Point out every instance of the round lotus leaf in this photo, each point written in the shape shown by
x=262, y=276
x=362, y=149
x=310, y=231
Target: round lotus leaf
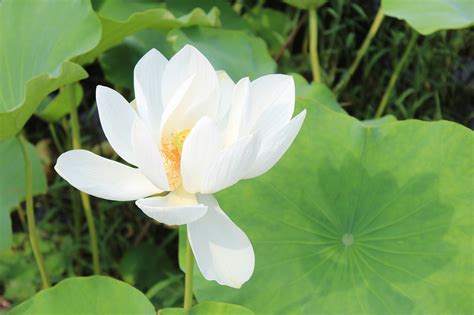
x=359, y=219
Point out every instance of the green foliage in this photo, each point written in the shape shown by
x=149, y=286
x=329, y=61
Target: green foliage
x=35, y=53
x=12, y=183
x=429, y=16
x=135, y=265
x=239, y=54
x=377, y=217
x=271, y=25
x=219, y=45
x=229, y=19
x=18, y=271
x=118, y=62
x=52, y=109
x=309, y=94
x=122, y=18
x=87, y=295
x=306, y=4
x=206, y=308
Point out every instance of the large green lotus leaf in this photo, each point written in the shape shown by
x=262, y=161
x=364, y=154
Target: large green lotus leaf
x=359, y=220
x=12, y=183
x=121, y=18
x=209, y=308
x=87, y=295
x=239, y=54
x=51, y=109
x=428, y=16
x=36, y=40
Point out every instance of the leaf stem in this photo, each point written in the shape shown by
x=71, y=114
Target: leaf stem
x=361, y=52
x=86, y=203
x=188, y=280
x=313, y=45
x=396, y=73
x=55, y=137
x=30, y=213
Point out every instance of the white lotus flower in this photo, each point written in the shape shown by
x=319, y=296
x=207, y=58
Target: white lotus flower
x=191, y=132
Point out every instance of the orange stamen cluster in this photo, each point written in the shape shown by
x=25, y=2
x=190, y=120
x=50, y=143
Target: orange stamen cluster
x=171, y=147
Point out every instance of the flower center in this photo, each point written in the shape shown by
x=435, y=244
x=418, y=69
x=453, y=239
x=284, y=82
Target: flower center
x=347, y=239
x=171, y=147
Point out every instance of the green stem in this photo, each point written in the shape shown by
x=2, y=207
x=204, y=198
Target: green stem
x=313, y=45
x=56, y=141
x=361, y=52
x=86, y=204
x=30, y=214
x=22, y=216
x=396, y=73
x=188, y=280
x=77, y=214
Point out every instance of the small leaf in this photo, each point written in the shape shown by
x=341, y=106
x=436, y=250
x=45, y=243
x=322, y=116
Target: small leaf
x=87, y=295
x=429, y=16
x=306, y=4
x=52, y=109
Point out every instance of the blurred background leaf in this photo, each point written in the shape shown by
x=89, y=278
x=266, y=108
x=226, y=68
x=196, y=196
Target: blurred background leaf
x=35, y=53
x=12, y=183
x=428, y=16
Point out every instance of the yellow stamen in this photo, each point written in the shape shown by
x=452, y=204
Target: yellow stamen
x=171, y=147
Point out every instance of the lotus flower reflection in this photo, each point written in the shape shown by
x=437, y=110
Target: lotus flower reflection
x=191, y=131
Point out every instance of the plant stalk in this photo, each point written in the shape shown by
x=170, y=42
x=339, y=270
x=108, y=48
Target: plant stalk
x=30, y=213
x=188, y=280
x=313, y=45
x=55, y=137
x=86, y=203
x=396, y=73
x=361, y=52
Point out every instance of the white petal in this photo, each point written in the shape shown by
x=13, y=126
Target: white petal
x=202, y=97
x=272, y=102
x=173, y=109
x=199, y=149
x=176, y=208
x=231, y=164
x=274, y=146
x=223, y=252
x=149, y=158
x=239, y=112
x=103, y=178
x=147, y=83
x=226, y=86
x=116, y=117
